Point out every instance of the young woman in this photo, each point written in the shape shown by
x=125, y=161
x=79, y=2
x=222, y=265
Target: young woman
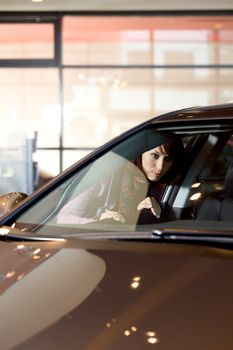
x=137, y=193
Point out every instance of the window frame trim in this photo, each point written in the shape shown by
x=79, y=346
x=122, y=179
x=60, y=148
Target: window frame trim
x=35, y=62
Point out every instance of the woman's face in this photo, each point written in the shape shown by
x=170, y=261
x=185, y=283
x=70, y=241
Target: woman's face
x=156, y=163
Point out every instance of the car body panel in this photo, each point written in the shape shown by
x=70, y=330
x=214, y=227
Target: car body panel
x=85, y=296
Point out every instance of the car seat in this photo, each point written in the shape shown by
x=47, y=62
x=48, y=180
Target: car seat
x=219, y=207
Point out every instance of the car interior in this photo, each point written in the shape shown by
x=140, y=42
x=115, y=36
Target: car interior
x=205, y=175
x=219, y=206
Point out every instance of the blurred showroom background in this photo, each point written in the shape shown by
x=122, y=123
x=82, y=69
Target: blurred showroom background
x=70, y=81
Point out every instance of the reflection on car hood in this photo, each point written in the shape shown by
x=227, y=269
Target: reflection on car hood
x=114, y=295
x=38, y=293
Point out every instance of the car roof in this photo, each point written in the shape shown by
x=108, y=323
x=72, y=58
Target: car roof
x=207, y=113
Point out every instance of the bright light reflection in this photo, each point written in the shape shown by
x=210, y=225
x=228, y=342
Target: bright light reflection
x=27, y=251
x=134, y=329
x=150, y=334
x=20, y=246
x=135, y=285
x=152, y=340
x=127, y=333
x=4, y=231
x=195, y=196
x=137, y=279
x=20, y=277
x=10, y=274
x=109, y=324
x=36, y=257
x=196, y=185
x=37, y=251
x=81, y=76
x=136, y=282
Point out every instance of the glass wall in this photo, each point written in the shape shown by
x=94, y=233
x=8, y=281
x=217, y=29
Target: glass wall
x=26, y=40
x=77, y=81
x=30, y=110
x=148, y=40
x=119, y=71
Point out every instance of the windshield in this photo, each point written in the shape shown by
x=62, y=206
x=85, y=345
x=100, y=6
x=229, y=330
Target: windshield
x=148, y=179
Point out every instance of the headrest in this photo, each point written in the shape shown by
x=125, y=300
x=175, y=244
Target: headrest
x=229, y=181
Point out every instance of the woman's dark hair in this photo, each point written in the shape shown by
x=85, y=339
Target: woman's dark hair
x=175, y=149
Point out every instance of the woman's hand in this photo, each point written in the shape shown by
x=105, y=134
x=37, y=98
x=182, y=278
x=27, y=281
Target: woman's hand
x=152, y=204
x=110, y=214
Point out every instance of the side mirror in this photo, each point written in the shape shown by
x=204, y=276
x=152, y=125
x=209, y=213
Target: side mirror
x=10, y=200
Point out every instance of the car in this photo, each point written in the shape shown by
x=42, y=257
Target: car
x=104, y=281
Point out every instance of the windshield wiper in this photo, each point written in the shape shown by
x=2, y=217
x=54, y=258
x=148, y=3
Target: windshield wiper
x=215, y=238
x=7, y=234
x=212, y=238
